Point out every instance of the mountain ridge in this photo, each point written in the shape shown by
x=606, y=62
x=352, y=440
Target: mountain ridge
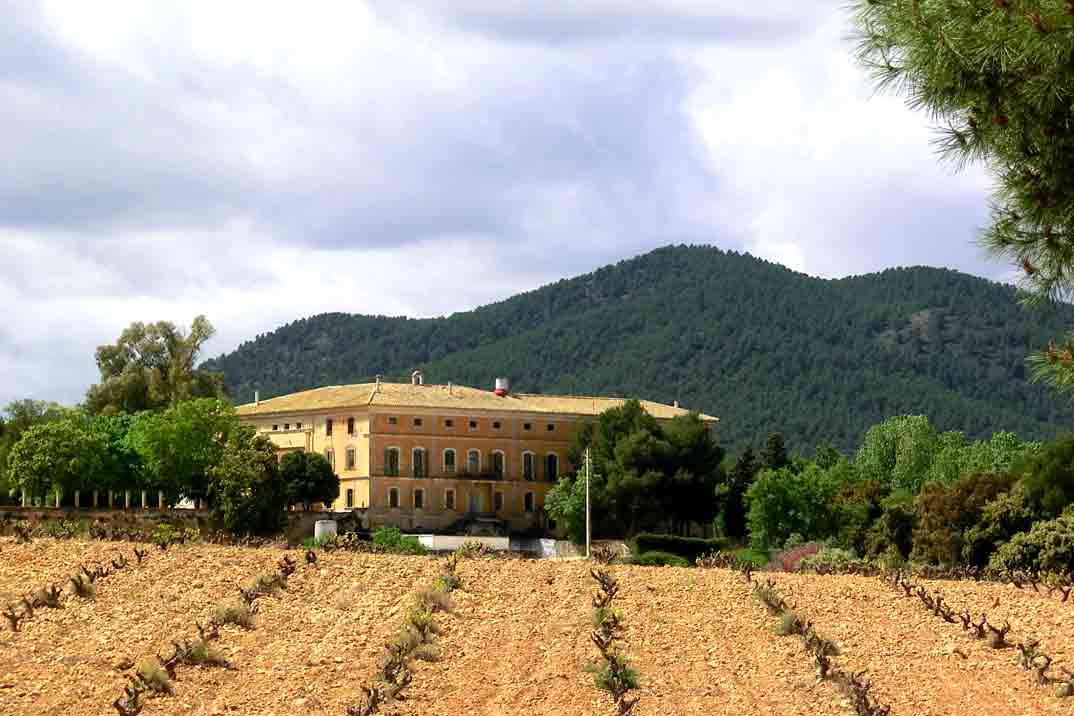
x=763, y=347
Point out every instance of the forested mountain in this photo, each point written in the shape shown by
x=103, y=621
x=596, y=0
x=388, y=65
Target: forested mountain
x=762, y=347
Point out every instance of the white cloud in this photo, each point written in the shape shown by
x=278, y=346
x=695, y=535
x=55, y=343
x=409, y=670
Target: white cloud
x=260, y=163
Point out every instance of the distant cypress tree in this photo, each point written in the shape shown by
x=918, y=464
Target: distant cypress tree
x=775, y=453
x=732, y=493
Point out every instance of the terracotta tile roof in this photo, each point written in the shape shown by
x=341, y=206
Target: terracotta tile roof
x=455, y=397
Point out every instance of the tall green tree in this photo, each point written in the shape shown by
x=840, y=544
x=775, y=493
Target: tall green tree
x=246, y=490
x=153, y=365
x=18, y=417
x=775, y=455
x=57, y=457
x=178, y=446
x=646, y=475
x=309, y=479
x=731, y=495
x=997, y=75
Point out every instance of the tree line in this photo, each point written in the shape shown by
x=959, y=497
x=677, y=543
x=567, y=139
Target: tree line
x=909, y=491
x=156, y=423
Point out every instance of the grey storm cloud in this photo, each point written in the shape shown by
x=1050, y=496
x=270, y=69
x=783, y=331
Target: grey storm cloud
x=281, y=165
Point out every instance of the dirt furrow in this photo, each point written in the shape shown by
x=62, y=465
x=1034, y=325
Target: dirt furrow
x=920, y=665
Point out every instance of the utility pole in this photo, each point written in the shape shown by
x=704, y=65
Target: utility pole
x=587, y=529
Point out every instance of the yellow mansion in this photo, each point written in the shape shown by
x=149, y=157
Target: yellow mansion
x=433, y=456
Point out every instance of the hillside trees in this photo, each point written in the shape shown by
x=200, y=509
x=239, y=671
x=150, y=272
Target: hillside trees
x=151, y=366
x=997, y=76
x=18, y=417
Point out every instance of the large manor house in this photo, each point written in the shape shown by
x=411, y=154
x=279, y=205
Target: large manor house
x=437, y=457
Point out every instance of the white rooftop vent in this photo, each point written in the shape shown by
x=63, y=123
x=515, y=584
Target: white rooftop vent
x=416, y=378
x=503, y=386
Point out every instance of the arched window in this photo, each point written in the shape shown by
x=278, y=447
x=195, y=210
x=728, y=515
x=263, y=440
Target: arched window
x=527, y=502
x=473, y=462
x=391, y=461
x=449, y=461
x=417, y=462
x=393, y=497
x=551, y=467
x=498, y=466
x=419, y=499
x=529, y=465
x=352, y=458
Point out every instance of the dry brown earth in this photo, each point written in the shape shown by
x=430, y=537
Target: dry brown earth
x=517, y=643
x=912, y=657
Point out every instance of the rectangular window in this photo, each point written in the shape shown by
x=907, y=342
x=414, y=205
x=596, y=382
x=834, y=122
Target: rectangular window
x=392, y=420
x=351, y=458
x=350, y=498
x=419, y=499
x=449, y=461
x=449, y=499
x=528, y=466
x=275, y=427
x=418, y=458
x=393, y=497
x=496, y=425
x=330, y=456
x=449, y=423
x=551, y=427
x=287, y=426
x=298, y=426
x=391, y=461
x=473, y=425
x=527, y=426
x=418, y=422
x=528, y=502
x=497, y=502
x=328, y=426
x=350, y=426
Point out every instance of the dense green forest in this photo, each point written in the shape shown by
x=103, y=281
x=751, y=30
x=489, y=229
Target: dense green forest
x=762, y=347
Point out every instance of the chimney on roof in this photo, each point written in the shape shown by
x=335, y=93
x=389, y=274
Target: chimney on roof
x=416, y=378
x=257, y=397
x=503, y=386
x=676, y=403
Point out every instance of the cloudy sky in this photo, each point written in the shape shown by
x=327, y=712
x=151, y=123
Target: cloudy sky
x=260, y=162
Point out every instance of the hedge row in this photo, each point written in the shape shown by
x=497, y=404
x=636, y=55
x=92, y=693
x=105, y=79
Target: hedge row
x=689, y=548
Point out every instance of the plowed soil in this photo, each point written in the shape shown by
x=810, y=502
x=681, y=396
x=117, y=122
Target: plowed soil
x=918, y=663
x=517, y=643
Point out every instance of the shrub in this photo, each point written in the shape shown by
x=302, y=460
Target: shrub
x=201, y=653
x=892, y=534
x=153, y=675
x=689, y=548
x=1048, y=546
x=83, y=587
x=234, y=612
x=165, y=534
x=790, y=624
x=830, y=560
x=659, y=559
x=391, y=539
x=946, y=513
x=789, y=560
x=63, y=529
